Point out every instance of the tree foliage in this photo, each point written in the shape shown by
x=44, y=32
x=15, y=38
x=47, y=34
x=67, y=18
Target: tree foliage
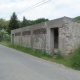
x=13, y=24
x=3, y=24
x=77, y=18
x=24, y=22
x=40, y=20
x=4, y=36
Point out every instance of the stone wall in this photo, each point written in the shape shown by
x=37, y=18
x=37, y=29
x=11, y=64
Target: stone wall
x=69, y=35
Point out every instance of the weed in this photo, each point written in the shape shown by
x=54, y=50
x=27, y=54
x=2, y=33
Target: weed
x=58, y=56
x=75, y=58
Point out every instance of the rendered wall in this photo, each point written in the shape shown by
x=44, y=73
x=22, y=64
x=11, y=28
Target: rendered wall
x=32, y=36
x=17, y=36
x=26, y=36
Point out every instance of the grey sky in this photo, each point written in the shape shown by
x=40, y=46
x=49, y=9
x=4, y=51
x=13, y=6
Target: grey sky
x=51, y=10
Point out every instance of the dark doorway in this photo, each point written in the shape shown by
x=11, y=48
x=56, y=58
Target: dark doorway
x=56, y=38
x=12, y=38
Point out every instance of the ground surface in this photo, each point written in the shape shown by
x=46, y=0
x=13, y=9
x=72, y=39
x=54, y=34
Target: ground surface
x=15, y=65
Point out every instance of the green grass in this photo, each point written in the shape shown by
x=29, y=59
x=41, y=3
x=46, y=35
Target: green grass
x=73, y=61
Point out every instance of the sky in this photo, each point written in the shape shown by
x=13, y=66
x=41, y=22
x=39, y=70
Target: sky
x=51, y=10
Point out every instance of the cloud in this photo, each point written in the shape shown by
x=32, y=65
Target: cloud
x=51, y=10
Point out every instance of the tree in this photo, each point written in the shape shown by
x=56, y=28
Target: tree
x=40, y=20
x=77, y=18
x=24, y=22
x=20, y=23
x=13, y=24
x=3, y=24
x=4, y=36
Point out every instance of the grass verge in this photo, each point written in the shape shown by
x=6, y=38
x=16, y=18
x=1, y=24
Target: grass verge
x=73, y=61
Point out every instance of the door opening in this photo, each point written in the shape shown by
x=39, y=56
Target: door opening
x=56, y=38
x=12, y=38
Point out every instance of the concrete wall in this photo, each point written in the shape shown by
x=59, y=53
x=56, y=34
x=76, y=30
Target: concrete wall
x=26, y=36
x=32, y=36
x=41, y=36
x=17, y=36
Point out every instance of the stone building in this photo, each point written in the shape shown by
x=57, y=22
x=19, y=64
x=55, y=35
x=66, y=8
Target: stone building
x=60, y=34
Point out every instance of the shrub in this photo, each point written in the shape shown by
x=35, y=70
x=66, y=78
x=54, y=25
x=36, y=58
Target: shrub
x=75, y=58
x=58, y=56
x=4, y=36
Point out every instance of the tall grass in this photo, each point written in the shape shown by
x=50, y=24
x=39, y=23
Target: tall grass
x=75, y=59
x=27, y=50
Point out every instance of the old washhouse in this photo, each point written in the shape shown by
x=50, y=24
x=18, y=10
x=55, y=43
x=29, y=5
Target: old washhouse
x=60, y=34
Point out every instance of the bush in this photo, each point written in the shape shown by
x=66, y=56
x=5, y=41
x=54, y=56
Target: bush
x=58, y=56
x=4, y=36
x=75, y=58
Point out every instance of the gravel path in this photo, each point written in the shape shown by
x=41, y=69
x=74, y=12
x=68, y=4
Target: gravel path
x=15, y=65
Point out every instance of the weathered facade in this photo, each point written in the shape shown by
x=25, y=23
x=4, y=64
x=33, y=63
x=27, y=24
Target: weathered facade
x=62, y=34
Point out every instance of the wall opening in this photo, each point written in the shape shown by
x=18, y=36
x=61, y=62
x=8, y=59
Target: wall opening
x=12, y=38
x=56, y=38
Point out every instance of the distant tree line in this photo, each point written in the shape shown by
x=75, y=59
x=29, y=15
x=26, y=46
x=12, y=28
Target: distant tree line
x=77, y=18
x=26, y=22
x=3, y=24
x=14, y=23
